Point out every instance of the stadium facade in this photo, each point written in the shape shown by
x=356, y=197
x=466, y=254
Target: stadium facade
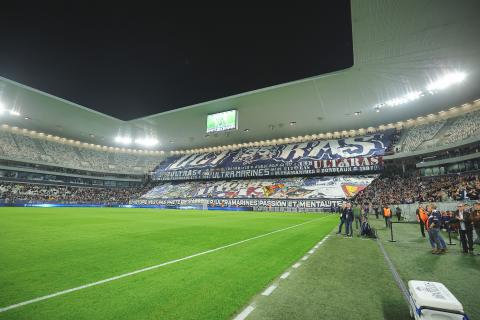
x=409, y=104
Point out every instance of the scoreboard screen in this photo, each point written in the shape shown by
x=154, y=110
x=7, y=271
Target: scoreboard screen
x=222, y=121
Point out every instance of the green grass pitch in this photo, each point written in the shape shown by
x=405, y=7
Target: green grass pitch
x=43, y=251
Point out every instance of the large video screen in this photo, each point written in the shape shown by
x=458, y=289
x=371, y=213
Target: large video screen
x=222, y=121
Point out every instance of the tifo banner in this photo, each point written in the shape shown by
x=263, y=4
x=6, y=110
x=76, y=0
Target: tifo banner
x=242, y=203
x=321, y=187
x=349, y=155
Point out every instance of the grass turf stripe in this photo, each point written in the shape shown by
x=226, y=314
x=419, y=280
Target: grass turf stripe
x=92, y=284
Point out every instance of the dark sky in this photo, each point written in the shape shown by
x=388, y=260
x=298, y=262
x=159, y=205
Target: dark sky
x=133, y=62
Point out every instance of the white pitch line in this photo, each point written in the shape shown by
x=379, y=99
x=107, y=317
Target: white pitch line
x=92, y=284
x=305, y=258
x=311, y=251
x=296, y=265
x=242, y=315
x=269, y=290
x=285, y=275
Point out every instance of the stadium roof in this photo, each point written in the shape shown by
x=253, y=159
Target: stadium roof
x=399, y=47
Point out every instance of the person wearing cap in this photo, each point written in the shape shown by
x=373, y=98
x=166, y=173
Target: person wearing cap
x=434, y=222
x=465, y=220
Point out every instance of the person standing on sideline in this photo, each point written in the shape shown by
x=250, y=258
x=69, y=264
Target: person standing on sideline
x=476, y=220
x=398, y=213
x=342, y=219
x=377, y=210
x=356, y=214
x=421, y=218
x=435, y=221
x=348, y=220
x=464, y=217
x=428, y=213
x=387, y=214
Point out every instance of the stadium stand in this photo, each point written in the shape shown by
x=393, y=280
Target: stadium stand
x=418, y=134
x=281, y=188
x=463, y=128
x=440, y=133
x=31, y=192
x=24, y=148
x=400, y=190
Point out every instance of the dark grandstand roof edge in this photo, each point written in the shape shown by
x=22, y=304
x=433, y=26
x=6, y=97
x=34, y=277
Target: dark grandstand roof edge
x=23, y=86
x=330, y=74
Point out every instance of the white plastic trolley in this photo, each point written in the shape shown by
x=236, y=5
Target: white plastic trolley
x=432, y=300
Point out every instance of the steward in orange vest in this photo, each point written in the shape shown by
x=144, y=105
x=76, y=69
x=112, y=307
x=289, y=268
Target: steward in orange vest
x=387, y=214
x=422, y=218
x=422, y=215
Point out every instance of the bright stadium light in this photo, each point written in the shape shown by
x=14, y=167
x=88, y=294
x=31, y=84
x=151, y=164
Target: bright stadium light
x=2, y=108
x=14, y=113
x=123, y=140
x=146, y=142
x=404, y=99
x=446, y=81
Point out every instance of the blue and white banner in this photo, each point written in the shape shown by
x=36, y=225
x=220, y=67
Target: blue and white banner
x=348, y=155
x=254, y=204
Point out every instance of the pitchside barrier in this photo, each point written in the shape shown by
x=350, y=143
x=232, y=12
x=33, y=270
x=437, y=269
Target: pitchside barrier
x=307, y=206
x=179, y=206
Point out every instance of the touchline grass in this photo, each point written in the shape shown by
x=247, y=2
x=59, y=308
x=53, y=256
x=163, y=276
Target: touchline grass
x=44, y=251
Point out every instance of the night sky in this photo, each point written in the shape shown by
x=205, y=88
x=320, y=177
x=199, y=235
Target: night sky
x=134, y=62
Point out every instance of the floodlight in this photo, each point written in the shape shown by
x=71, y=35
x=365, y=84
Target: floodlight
x=404, y=99
x=446, y=81
x=146, y=142
x=123, y=140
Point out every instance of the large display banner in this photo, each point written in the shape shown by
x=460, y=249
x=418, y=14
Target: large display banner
x=291, y=188
x=325, y=204
x=349, y=155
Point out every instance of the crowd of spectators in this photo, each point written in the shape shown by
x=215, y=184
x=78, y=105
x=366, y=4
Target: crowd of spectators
x=392, y=147
x=400, y=190
x=26, y=148
x=11, y=192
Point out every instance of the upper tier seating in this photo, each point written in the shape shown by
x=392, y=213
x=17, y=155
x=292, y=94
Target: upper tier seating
x=463, y=128
x=441, y=133
x=26, y=148
x=416, y=135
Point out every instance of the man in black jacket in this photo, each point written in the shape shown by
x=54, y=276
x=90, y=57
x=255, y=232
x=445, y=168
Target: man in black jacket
x=342, y=219
x=464, y=217
x=348, y=214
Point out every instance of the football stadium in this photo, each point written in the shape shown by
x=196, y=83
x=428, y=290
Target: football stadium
x=344, y=194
